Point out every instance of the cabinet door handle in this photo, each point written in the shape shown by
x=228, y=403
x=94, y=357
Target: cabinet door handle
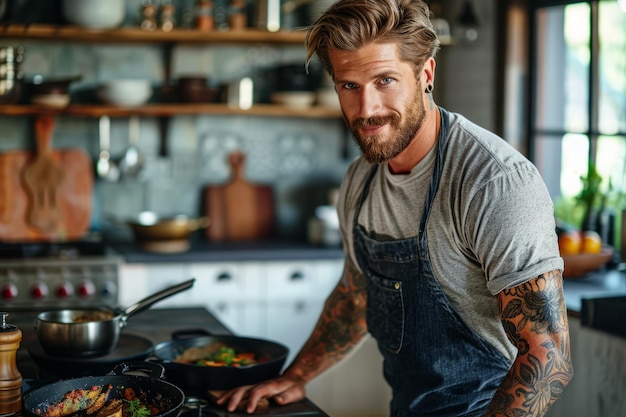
x=296, y=276
x=224, y=276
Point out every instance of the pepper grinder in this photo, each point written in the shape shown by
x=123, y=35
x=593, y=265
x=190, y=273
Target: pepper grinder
x=10, y=377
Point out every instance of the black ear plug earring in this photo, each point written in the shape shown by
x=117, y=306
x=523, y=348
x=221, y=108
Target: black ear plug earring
x=429, y=88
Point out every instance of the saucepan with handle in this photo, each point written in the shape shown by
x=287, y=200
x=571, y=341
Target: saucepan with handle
x=92, y=332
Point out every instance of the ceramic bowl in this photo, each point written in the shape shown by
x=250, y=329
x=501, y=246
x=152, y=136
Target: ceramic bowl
x=294, y=98
x=125, y=93
x=51, y=100
x=95, y=14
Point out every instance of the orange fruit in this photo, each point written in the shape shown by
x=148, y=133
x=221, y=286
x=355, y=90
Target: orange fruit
x=592, y=242
x=570, y=243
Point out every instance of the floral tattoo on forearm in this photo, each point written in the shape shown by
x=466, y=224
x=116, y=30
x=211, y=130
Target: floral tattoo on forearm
x=535, y=320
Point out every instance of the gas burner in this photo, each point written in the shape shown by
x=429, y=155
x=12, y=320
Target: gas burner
x=194, y=403
x=196, y=407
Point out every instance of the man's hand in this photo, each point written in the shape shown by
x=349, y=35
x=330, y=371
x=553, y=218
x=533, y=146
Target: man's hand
x=282, y=390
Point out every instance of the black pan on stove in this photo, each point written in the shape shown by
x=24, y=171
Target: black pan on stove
x=151, y=389
x=198, y=379
x=131, y=347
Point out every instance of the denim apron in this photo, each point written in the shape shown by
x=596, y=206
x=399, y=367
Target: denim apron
x=434, y=363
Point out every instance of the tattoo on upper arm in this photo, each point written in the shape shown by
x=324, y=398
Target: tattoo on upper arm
x=538, y=304
x=535, y=313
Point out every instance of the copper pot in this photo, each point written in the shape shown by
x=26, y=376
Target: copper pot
x=165, y=234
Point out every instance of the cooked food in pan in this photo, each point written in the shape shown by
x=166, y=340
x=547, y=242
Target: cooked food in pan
x=217, y=354
x=95, y=402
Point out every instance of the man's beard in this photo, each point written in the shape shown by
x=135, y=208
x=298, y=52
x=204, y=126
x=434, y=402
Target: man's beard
x=376, y=148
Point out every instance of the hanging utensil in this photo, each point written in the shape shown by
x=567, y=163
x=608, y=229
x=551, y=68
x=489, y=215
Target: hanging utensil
x=106, y=168
x=131, y=163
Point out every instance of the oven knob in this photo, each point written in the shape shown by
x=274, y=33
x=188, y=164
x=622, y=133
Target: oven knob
x=64, y=290
x=39, y=291
x=9, y=291
x=86, y=289
x=109, y=290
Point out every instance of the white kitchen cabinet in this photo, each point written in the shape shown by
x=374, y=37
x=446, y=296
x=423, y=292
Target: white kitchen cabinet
x=234, y=293
x=138, y=281
x=291, y=322
x=296, y=292
x=161, y=276
x=228, y=281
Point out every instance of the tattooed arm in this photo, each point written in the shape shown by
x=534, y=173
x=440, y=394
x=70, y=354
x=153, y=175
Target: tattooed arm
x=339, y=328
x=534, y=317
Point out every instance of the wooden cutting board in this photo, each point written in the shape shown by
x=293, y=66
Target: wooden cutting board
x=239, y=210
x=25, y=213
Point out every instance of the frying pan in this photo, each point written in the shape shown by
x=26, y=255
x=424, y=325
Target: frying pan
x=198, y=379
x=152, y=390
x=91, y=332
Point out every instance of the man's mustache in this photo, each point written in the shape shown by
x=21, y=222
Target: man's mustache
x=375, y=121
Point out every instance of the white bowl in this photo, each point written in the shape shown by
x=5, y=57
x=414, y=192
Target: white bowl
x=125, y=93
x=95, y=14
x=51, y=101
x=294, y=98
x=327, y=97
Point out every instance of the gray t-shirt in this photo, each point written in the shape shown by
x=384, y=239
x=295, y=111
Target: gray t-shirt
x=491, y=226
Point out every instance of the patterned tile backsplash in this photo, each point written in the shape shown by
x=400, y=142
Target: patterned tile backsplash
x=301, y=158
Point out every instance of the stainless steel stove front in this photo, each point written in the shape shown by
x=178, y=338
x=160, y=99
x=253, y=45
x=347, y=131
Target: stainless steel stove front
x=37, y=284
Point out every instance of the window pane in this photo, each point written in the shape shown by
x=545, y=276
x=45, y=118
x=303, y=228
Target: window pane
x=572, y=153
x=612, y=83
x=575, y=162
x=562, y=68
x=562, y=160
x=611, y=159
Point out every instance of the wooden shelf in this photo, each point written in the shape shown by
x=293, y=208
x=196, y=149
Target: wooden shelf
x=54, y=33
x=172, y=109
x=133, y=35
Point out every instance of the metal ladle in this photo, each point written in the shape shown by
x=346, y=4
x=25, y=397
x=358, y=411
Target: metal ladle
x=105, y=167
x=132, y=162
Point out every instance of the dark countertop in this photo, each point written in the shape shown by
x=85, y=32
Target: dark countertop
x=202, y=251
x=599, y=284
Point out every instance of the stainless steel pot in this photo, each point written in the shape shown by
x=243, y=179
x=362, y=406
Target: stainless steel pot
x=91, y=332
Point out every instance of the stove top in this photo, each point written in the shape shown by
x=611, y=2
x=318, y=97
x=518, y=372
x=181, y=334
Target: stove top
x=91, y=246
x=152, y=327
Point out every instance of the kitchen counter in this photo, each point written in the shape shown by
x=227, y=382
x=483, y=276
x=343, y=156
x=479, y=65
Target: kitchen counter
x=203, y=251
x=599, y=284
x=155, y=325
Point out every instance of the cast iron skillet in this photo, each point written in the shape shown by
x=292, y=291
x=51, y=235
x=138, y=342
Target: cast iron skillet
x=197, y=379
x=156, y=391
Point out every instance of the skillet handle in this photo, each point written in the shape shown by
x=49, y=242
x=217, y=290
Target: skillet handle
x=189, y=333
x=148, y=369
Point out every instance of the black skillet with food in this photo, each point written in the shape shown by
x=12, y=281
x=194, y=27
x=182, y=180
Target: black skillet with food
x=118, y=394
x=197, y=361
